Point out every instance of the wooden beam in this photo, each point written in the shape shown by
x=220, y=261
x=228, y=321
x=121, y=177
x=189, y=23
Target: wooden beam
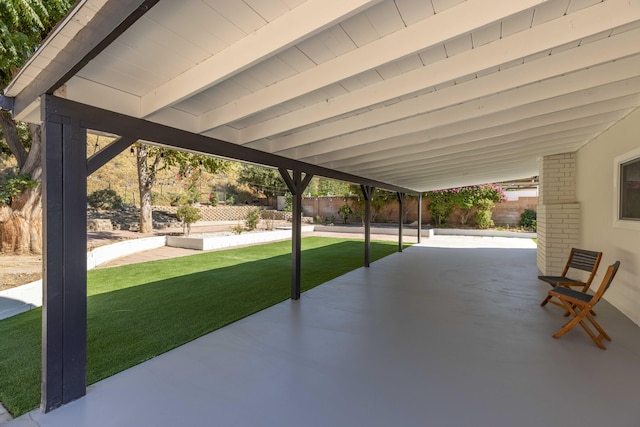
x=157, y=134
x=101, y=158
x=399, y=44
x=302, y=22
x=354, y=132
x=575, y=60
x=560, y=114
x=486, y=142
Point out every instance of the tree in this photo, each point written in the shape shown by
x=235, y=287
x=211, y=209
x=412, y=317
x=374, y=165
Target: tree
x=264, y=181
x=441, y=204
x=151, y=159
x=188, y=215
x=327, y=187
x=23, y=25
x=378, y=201
x=466, y=198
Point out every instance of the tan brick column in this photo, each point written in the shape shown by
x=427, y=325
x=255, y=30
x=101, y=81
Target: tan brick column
x=558, y=212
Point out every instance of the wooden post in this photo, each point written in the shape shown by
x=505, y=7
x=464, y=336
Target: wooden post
x=400, y=205
x=296, y=185
x=367, y=191
x=64, y=278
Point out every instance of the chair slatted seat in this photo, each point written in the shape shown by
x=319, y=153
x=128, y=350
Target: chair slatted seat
x=580, y=305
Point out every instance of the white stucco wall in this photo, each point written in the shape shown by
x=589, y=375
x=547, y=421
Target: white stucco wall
x=596, y=195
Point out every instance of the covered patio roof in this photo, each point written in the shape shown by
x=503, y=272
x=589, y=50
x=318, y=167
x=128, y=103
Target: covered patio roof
x=417, y=94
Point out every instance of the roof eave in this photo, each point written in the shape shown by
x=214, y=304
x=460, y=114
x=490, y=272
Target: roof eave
x=103, y=22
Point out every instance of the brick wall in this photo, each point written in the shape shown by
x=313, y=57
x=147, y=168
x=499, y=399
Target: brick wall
x=558, y=212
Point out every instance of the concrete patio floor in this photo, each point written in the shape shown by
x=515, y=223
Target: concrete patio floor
x=447, y=333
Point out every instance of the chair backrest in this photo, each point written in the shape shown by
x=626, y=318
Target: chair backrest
x=606, y=282
x=582, y=259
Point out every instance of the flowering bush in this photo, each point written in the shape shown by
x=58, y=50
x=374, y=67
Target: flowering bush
x=466, y=198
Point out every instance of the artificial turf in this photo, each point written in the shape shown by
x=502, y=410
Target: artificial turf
x=136, y=312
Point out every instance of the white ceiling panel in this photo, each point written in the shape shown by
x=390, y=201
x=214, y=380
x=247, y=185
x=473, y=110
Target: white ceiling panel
x=442, y=5
x=239, y=13
x=412, y=11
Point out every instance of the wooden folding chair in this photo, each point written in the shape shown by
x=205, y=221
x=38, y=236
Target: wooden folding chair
x=579, y=305
x=579, y=259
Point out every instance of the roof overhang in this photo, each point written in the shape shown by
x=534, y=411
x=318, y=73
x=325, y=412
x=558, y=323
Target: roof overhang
x=416, y=94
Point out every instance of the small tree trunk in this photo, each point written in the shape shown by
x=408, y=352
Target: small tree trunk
x=146, y=180
x=146, y=212
x=464, y=216
x=21, y=223
x=146, y=218
x=10, y=133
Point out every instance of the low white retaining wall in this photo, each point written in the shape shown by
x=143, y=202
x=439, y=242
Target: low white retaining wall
x=406, y=231
x=426, y=232
x=23, y=298
x=110, y=252
x=484, y=233
x=205, y=242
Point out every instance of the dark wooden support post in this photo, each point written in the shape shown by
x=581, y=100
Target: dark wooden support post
x=296, y=185
x=419, y=216
x=400, y=206
x=64, y=310
x=367, y=191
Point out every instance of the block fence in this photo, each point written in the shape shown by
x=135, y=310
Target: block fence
x=505, y=213
x=229, y=213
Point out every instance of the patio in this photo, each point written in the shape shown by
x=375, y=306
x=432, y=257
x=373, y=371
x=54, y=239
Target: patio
x=448, y=333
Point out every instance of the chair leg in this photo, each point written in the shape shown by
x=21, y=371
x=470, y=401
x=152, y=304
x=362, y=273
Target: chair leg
x=546, y=300
x=596, y=325
x=578, y=318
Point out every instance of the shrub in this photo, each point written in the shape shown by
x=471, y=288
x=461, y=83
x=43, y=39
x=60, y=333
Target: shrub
x=106, y=199
x=288, y=203
x=252, y=218
x=193, y=195
x=345, y=211
x=238, y=229
x=177, y=199
x=188, y=215
x=483, y=215
x=528, y=219
x=441, y=205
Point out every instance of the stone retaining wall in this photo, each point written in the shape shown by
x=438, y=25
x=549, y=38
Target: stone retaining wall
x=215, y=213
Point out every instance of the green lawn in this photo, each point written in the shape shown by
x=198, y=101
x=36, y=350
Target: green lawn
x=136, y=312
